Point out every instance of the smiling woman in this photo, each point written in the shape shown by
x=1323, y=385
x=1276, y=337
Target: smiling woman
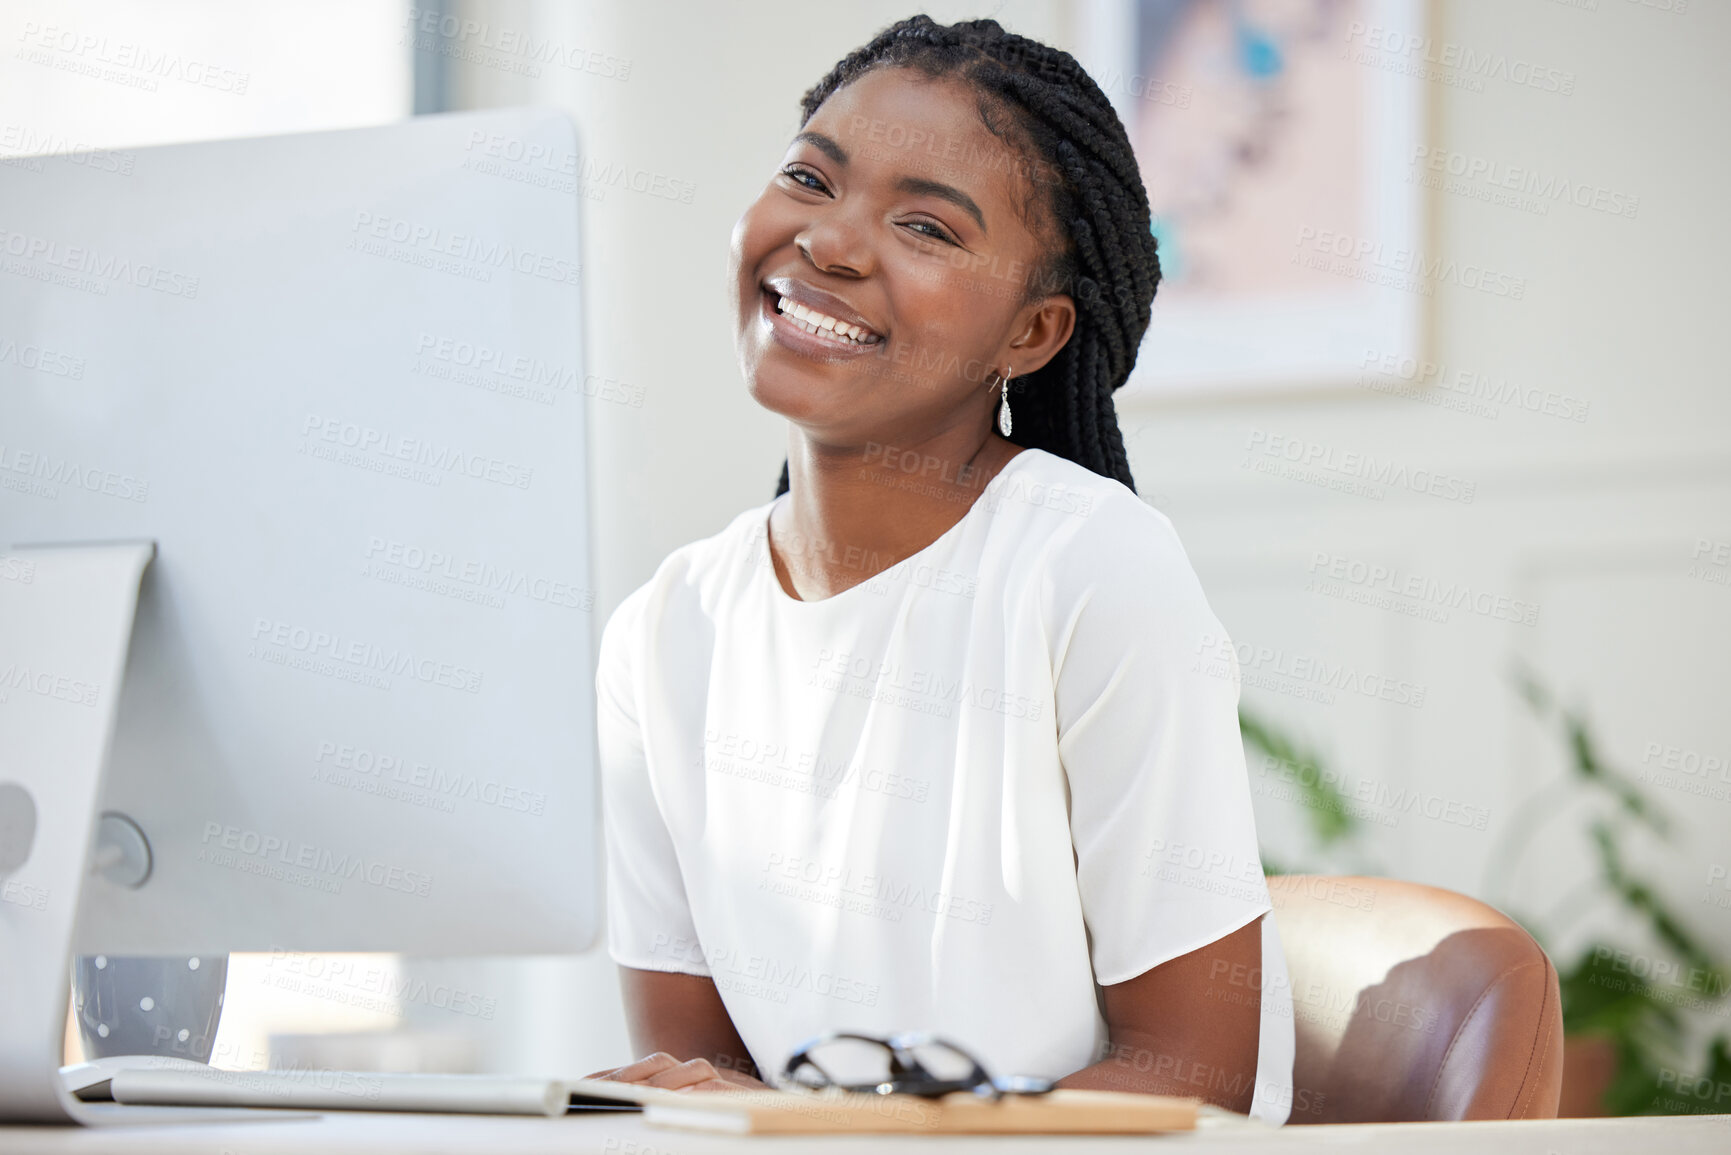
x=927, y=742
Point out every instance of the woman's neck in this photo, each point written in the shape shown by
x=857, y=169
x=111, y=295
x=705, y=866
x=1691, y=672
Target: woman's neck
x=851, y=513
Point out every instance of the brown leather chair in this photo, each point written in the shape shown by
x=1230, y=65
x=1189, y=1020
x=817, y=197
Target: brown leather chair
x=1413, y=1003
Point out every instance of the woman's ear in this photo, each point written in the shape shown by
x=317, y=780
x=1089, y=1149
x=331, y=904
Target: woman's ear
x=1042, y=329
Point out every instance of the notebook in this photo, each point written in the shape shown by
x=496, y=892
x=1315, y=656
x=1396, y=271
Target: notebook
x=1061, y=1112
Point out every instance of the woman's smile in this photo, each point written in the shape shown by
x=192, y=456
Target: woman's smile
x=812, y=323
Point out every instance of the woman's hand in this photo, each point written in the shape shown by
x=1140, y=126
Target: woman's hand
x=663, y=1070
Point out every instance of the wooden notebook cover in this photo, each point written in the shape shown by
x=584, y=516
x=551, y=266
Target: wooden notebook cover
x=1061, y=1112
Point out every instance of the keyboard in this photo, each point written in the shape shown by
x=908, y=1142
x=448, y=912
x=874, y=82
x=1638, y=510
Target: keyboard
x=156, y=1080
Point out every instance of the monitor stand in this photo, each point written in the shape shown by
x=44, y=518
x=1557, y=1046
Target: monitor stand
x=65, y=625
x=66, y=617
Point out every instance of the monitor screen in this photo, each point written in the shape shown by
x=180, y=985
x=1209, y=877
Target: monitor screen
x=338, y=379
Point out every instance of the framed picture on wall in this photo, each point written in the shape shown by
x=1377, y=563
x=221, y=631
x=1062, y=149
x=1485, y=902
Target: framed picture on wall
x=1279, y=142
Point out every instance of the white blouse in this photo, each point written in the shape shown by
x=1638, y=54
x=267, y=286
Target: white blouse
x=954, y=797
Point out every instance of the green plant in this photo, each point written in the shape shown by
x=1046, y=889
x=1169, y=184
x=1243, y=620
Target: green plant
x=1601, y=996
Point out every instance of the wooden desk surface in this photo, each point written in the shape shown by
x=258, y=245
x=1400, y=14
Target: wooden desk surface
x=343, y=1133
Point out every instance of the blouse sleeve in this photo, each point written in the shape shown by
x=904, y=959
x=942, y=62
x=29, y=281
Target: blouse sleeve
x=1146, y=696
x=649, y=924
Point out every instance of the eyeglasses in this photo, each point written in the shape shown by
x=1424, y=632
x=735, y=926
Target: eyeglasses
x=912, y=1063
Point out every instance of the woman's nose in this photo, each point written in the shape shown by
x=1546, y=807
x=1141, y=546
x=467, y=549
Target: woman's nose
x=835, y=244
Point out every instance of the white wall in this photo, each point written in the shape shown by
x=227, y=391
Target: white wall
x=115, y=74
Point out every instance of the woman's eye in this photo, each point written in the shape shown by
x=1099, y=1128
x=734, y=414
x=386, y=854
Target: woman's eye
x=936, y=233
x=802, y=176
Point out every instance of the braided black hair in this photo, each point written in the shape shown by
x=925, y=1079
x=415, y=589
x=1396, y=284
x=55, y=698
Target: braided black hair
x=1104, y=256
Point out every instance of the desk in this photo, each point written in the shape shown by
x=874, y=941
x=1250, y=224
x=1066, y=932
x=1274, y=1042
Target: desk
x=359, y=1133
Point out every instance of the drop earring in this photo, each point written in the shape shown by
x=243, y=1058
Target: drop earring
x=1004, y=403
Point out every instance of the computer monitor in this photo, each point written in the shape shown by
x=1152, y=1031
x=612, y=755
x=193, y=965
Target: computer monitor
x=338, y=380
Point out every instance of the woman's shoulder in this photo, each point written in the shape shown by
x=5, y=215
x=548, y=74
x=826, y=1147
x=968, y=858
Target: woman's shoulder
x=688, y=569
x=1078, y=517
x=1105, y=557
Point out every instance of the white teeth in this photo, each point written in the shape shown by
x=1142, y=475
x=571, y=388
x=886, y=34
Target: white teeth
x=821, y=324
